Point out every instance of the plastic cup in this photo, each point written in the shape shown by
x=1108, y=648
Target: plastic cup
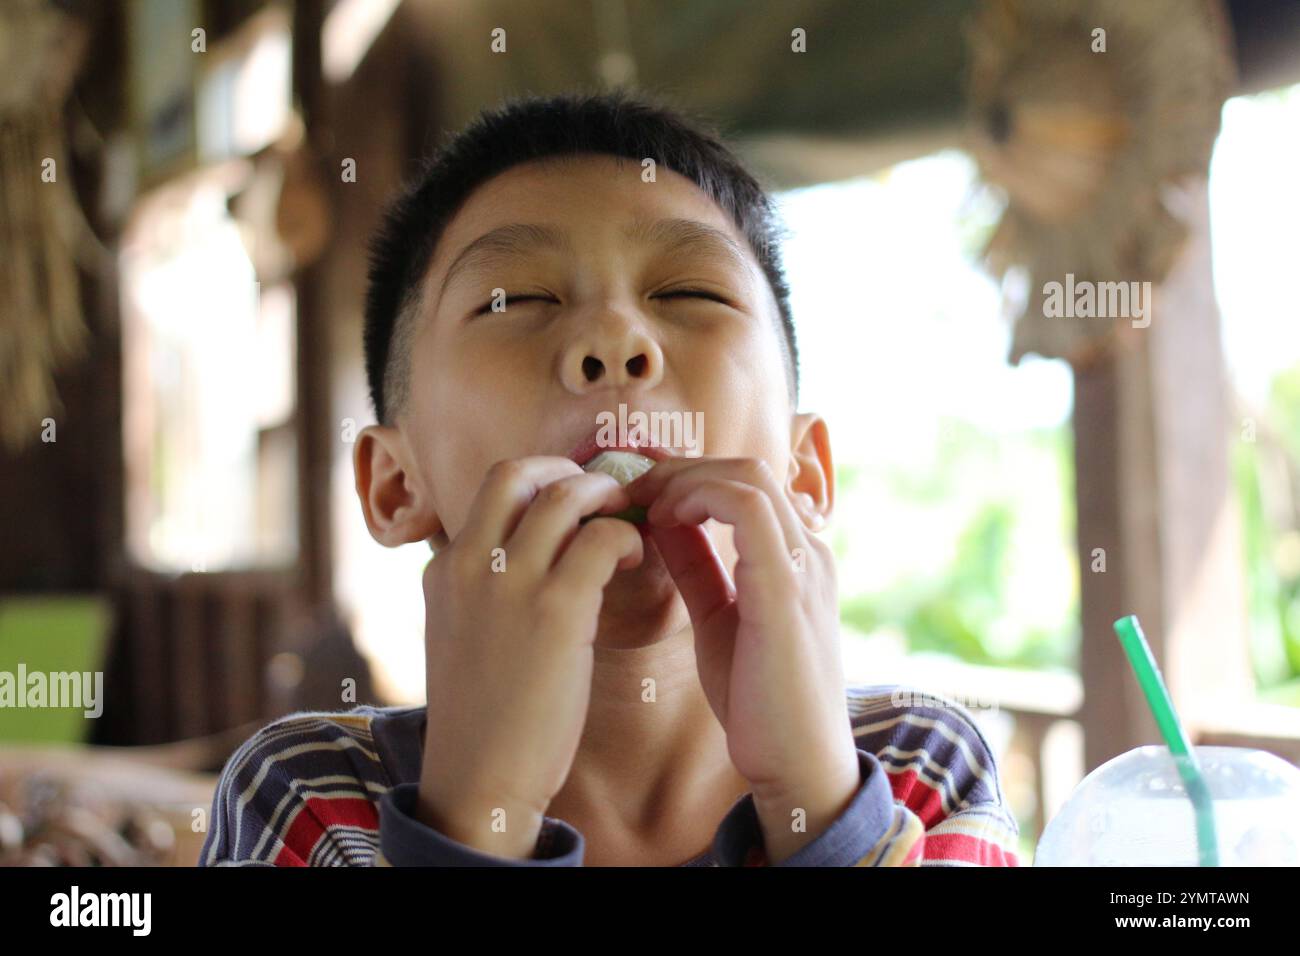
x=1134, y=810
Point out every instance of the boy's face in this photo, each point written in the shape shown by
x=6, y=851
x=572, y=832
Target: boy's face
x=608, y=327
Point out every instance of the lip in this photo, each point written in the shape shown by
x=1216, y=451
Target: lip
x=589, y=448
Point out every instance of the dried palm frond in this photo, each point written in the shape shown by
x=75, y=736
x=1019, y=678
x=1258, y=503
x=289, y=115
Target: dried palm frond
x=41, y=323
x=1087, y=144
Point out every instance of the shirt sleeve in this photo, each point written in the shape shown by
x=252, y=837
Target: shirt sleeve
x=871, y=831
x=880, y=829
x=241, y=822
x=406, y=841
x=298, y=793
x=943, y=772
x=309, y=790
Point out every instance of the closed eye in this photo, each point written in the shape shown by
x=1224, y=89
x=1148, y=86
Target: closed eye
x=484, y=309
x=676, y=293
x=692, y=293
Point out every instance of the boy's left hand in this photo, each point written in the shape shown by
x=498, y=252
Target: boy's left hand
x=767, y=647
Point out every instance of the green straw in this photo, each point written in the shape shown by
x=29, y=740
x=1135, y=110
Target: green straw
x=1148, y=675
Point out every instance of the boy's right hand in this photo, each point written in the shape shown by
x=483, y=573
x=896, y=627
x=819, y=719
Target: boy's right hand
x=509, y=652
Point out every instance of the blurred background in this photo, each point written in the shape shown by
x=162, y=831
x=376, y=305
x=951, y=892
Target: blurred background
x=186, y=188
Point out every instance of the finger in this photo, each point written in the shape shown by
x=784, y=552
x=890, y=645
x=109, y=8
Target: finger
x=675, y=480
x=551, y=519
x=646, y=487
x=601, y=547
x=506, y=491
x=758, y=536
x=696, y=569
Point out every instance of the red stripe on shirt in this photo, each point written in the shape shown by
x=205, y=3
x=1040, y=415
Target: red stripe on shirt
x=918, y=796
x=967, y=849
x=317, y=815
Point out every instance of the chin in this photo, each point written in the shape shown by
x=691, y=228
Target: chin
x=641, y=606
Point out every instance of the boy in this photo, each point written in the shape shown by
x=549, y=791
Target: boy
x=604, y=691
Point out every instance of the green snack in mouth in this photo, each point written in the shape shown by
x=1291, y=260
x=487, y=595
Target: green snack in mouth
x=625, y=467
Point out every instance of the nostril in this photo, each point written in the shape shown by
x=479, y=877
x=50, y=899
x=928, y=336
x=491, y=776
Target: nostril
x=636, y=366
x=592, y=368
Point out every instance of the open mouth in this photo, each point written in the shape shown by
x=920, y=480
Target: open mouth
x=624, y=467
x=590, y=447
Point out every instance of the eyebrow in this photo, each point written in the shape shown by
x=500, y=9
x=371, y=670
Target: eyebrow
x=513, y=241
x=520, y=239
x=691, y=236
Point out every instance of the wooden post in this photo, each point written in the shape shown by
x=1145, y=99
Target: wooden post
x=1153, y=489
x=313, y=338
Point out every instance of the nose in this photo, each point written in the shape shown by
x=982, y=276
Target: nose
x=611, y=352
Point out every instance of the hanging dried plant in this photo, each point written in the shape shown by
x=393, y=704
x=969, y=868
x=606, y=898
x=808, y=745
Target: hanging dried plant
x=41, y=323
x=1088, y=133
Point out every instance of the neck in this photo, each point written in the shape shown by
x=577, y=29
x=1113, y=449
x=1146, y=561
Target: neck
x=651, y=745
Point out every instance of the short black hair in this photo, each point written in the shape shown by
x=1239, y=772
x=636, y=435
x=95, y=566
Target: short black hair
x=532, y=127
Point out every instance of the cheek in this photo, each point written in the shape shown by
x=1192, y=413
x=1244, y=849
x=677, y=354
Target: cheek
x=482, y=405
x=448, y=435
x=739, y=381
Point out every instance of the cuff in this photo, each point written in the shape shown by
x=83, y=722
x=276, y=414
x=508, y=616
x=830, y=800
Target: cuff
x=846, y=842
x=405, y=841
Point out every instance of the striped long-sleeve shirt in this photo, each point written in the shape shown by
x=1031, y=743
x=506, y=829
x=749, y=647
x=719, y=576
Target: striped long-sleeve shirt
x=324, y=788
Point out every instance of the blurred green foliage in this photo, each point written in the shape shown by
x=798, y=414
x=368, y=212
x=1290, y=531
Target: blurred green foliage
x=1267, y=469
x=970, y=603
x=960, y=603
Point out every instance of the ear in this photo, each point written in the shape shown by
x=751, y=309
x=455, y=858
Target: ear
x=810, y=479
x=397, y=508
